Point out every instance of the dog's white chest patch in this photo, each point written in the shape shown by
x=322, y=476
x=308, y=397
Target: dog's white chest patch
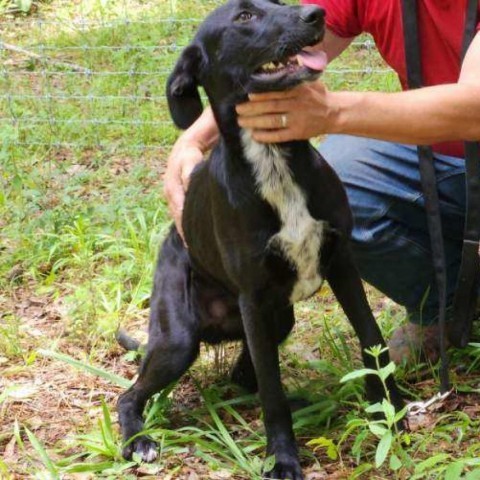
x=300, y=237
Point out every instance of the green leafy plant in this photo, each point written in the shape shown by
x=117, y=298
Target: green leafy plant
x=15, y=6
x=24, y=5
x=390, y=441
x=101, y=452
x=104, y=441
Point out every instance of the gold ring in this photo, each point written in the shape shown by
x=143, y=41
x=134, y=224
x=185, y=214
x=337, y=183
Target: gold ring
x=283, y=119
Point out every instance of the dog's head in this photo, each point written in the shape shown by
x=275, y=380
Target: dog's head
x=246, y=46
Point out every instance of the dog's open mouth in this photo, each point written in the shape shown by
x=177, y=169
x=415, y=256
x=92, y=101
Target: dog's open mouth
x=306, y=65
x=315, y=61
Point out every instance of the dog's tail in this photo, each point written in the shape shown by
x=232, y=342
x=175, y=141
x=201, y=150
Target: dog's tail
x=127, y=342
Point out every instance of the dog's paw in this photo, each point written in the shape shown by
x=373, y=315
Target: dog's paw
x=144, y=447
x=287, y=467
x=284, y=471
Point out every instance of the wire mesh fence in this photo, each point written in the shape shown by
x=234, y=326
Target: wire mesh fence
x=91, y=74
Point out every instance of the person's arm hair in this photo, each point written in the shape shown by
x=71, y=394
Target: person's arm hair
x=470, y=72
x=424, y=116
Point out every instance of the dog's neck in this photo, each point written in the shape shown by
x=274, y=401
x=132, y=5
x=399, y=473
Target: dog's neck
x=239, y=142
x=226, y=118
x=223, y=107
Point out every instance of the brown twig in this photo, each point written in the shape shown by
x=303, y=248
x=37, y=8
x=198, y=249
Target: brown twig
x=36, y=56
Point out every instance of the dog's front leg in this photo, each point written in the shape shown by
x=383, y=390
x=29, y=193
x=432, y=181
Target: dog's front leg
x=347, y=286
x=259, y=325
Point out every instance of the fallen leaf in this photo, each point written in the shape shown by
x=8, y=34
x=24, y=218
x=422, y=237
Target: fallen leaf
x=9, y=453
x=421, y=421
x=193, y=476
x=316, y=475
x=149, y=469
x=19, y=392
x=221, y=475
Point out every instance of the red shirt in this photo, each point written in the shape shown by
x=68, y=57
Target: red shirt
x=441, y=30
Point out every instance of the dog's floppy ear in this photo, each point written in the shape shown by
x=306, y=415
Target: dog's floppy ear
x=182, y=87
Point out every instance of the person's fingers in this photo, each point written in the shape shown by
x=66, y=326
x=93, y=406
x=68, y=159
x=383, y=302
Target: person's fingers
x=266, y=122
x=174, y=193
x=275, y=136
x=260, y=97
x=176, y=180
x=272, y=106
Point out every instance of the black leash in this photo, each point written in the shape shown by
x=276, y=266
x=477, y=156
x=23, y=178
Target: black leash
x=466, y=292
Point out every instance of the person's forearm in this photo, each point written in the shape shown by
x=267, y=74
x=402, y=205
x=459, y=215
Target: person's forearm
x=188, y=151
x=425, y=116
x=203, y=133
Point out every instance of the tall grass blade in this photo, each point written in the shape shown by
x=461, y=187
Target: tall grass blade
x=99, y=372
x=43, y=455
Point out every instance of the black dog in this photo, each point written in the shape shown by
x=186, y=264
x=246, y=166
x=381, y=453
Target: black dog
x=264, y=226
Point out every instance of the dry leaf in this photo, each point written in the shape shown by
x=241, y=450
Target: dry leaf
x=221, y=475
x=193, y=476
x=22, y=391
x=316, y=475
x=9, y=453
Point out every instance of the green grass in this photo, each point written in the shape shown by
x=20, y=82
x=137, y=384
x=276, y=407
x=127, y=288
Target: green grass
x=82, y=215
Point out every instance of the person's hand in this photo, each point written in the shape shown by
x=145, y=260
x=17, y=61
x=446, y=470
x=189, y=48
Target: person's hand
x=185, y=155
x=188, y=151
x=297, y=114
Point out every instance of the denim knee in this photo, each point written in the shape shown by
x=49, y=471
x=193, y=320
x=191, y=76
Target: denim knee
x=390, y=238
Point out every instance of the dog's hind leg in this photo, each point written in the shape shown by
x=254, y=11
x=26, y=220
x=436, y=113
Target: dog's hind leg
x=166, y=360
x=243, y=373
x=346, y=284
x=173, y=345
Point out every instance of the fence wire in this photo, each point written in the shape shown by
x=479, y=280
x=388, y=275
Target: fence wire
x=82, y=82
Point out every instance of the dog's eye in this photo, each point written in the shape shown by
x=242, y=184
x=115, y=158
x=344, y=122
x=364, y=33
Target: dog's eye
x=244, y=17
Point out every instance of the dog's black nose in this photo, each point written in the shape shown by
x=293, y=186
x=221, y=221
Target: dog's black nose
x=312, y=14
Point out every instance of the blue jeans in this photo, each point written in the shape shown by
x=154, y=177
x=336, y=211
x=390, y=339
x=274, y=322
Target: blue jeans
x=390, y=237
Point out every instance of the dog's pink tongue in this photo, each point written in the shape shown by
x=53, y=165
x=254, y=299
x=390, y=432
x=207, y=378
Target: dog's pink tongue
x=316, y=60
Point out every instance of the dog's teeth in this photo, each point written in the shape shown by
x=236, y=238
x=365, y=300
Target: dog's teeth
x=275, y=66
x=269, y=66
x=299, y=61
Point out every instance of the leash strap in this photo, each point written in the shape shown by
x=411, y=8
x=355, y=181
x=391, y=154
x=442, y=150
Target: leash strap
x=428, y=180
x=466, y=293
x=469, y=276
